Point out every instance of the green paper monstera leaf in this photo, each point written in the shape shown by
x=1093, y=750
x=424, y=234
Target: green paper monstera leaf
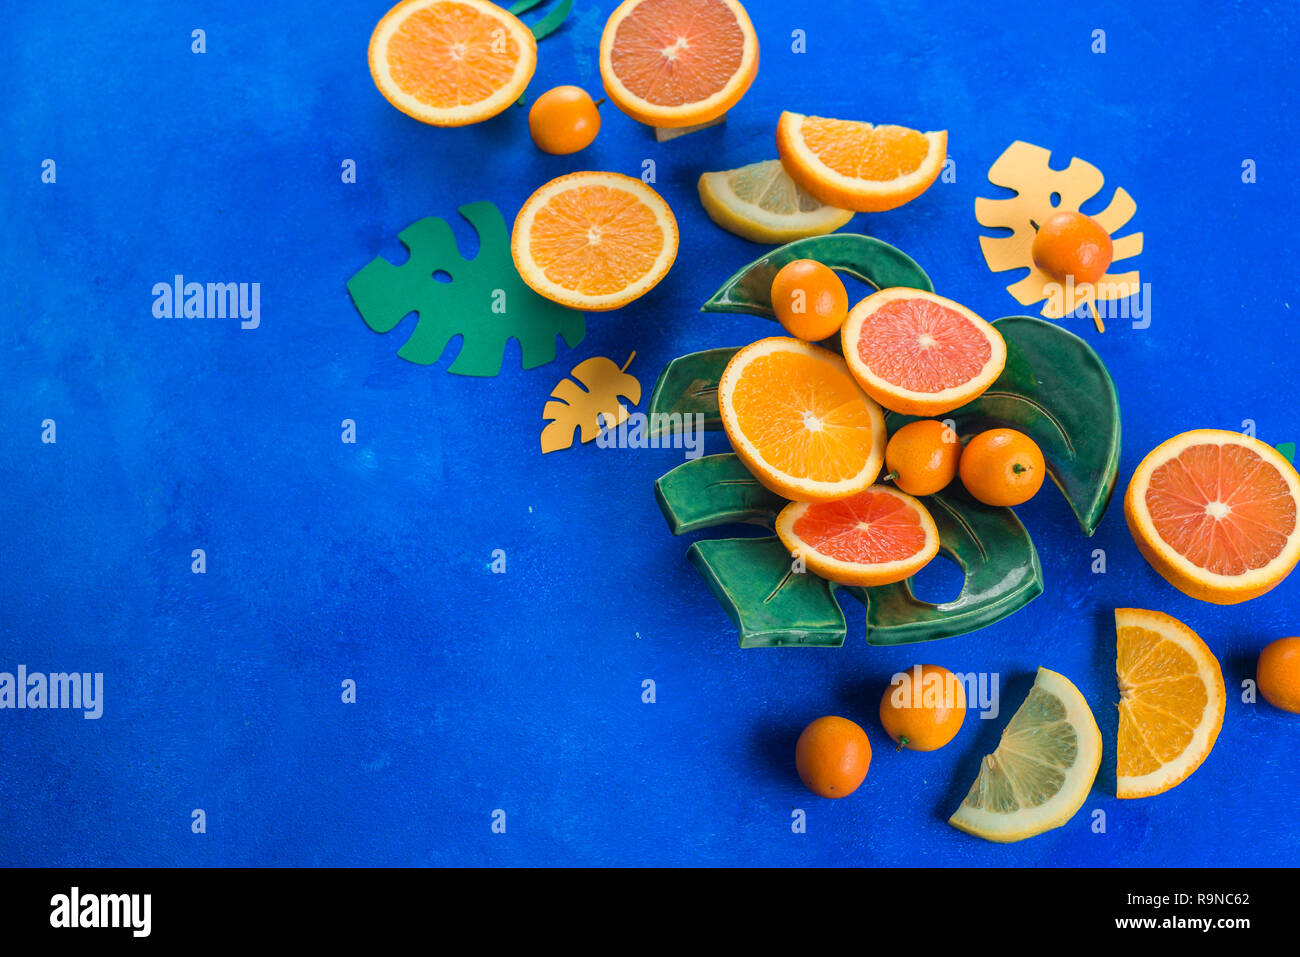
x=483, y=300
x=773, y=605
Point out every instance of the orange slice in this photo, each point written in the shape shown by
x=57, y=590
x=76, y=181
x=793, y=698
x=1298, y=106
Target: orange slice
x=1215, y=513
x=918, y=353
x=799, y=422
x=1171, y=701
x=451, y=62
x=858, y=166
x=672, y=63
x=594, y=241
x=876, y=537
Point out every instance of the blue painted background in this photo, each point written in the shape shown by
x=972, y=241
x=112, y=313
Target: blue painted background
x=522, y=691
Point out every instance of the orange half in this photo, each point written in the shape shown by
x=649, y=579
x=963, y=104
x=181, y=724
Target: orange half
x=1172, y=700
x=1215, y=513
x=860, y=166
x=920, y=354
x=451, y=62
x=799, y=422
x=673, y=63
x=594, y=241
x=876, y=537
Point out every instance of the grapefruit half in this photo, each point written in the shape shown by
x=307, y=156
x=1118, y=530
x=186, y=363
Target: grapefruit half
x=1215, y=513
x=920, y=354
x=876, y=537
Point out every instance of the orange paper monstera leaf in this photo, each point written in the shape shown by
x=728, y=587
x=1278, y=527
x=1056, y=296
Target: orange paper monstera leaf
x=1040, y=192
x=591, y=408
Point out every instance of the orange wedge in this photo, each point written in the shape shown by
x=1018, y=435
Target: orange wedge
x=920, y=354
x=673, y=63
x=876, y=537
x=858, y=166
x=1215, y=513
x=799, y=422
x=451, y=62
x=1171, y=701
x=594, y=241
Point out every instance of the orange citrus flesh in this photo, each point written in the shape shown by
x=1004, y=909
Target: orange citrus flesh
x=799, y=421
x=1171, y=701
x=424, y=59
x=922, y=345
x=629, y=239
x=918, y=353
x=675, y=63
x=876, y=537
x=451, y=62
x=833, y=451
x=860, y=166
x=867, y=529
x=1222, y=507
x=671, y=52
x=879, y=153
x=1216, y=514
x=594, y=240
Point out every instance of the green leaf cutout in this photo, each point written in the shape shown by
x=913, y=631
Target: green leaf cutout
x=1057, y=391
x=486, y=303
x=865, y=258
x=1288, y=451
x=772, y=606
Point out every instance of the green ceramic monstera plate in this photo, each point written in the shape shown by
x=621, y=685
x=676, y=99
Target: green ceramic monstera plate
x=1054, y=388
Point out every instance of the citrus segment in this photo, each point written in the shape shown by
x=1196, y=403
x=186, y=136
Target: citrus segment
x=1043, y=767
x=1216, y=513
x=451, y=62
x=594, y=241
x=674, y=63
x=799, y=422
x=920, y=354
x=876, y=537
x=761, y=203
x=1171, y=701
x=859, y=166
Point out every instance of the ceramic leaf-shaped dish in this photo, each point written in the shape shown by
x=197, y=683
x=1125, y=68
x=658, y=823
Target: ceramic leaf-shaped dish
x=772, y=605
x=1054, y=388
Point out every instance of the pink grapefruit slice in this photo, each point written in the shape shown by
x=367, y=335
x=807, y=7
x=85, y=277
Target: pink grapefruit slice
x=1215, y=513
x=876, y=537
x=675, y=63
x=920, y=354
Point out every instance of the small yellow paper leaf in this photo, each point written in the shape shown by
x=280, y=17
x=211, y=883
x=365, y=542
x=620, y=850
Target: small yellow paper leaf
x=1027, y=169
x=590, y=409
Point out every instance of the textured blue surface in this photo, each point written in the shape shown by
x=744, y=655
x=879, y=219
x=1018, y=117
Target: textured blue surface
x=522, y=691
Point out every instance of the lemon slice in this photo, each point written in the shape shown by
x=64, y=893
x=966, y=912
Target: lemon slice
x=1042, y=770
x=763, y=204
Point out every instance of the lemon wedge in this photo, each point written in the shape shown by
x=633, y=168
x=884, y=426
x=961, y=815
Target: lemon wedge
x=1042, y=770
x=764, y=205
